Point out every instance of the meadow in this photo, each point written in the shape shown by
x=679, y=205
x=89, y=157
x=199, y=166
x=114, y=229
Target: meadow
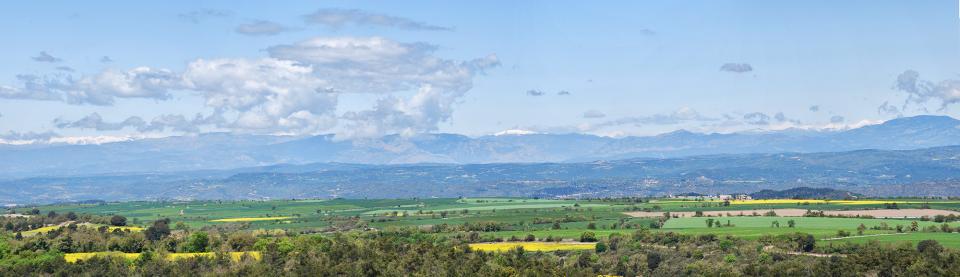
x=513, y=218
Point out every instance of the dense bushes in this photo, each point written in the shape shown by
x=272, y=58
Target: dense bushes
x=415, y=252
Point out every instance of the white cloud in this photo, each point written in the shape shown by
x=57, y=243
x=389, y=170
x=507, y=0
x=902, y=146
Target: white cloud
x=947, y=92
x=95, y=121
x=594, y=114
x=295, y=91
x=99, y=89
x=678, y=116
x=756, y=118
x=836, y=119
x=45, y=57
x=337, y=18
x=736, y=67
x=200, y=15
x=261, y=28
x=265, y=94
x=535, y=92
x=887, y=110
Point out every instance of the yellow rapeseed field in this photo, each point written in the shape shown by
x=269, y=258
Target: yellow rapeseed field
x=128, y=228
x=532, y=246
x=245, y=219
x=74, y=257
x=40, y=230
x=233, y=255
x=47, y=229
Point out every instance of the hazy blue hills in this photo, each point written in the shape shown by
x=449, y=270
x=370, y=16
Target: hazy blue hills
x=219, y=151
x=920, y=172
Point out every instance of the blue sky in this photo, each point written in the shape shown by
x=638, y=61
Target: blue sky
x=360, y=69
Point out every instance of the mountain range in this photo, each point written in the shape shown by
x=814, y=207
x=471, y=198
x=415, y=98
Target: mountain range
x=222, y=151
x=920, y=172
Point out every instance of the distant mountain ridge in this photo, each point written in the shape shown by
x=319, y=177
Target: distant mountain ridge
x=920, y=172
x=805, y=193
x=220, y=151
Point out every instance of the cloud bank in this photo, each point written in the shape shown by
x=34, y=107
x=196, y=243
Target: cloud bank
x=295, y=90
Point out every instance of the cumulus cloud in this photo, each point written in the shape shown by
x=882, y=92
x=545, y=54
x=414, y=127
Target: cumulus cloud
x=919, y=91
x=594, y=114
x=535, y=92
x=337, y=18
x=95, y=121
x=814, y=108
x=261, y=28
x=836, y=119
x=781, y=118
x=200, y=15
x=736, y=67
x=265, y=94
x=295, y=90
x=45, y=57
x=34, y=87
x=563, y=93
x=887, y=110
x=756, y=118
x=99, y=89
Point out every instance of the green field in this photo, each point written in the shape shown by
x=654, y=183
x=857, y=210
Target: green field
x=755, y=227
x=512, y=217
x=946, y=239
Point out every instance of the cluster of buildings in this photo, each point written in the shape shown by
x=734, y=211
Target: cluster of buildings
x=722, y=197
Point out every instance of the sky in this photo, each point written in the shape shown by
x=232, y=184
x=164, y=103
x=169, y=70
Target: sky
x=115, y=69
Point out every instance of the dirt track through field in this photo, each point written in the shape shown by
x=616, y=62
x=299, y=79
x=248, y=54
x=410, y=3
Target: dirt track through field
x=879, y=213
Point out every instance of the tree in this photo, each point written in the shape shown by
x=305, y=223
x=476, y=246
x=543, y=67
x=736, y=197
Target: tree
x=791, y=223
x=914, y=226
x=159, y=230
x=588, y=237
x=653, y=260
x=591, y=226
x=52, y=214
x=804, y=242
x=71, y=216
x=601, y=247
x=556, y=226
x=118, y=220
x=929, y=247
x=530, y=237
x=775, y=224
x=860, y=229
x=197, y=242
x=709, y=222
